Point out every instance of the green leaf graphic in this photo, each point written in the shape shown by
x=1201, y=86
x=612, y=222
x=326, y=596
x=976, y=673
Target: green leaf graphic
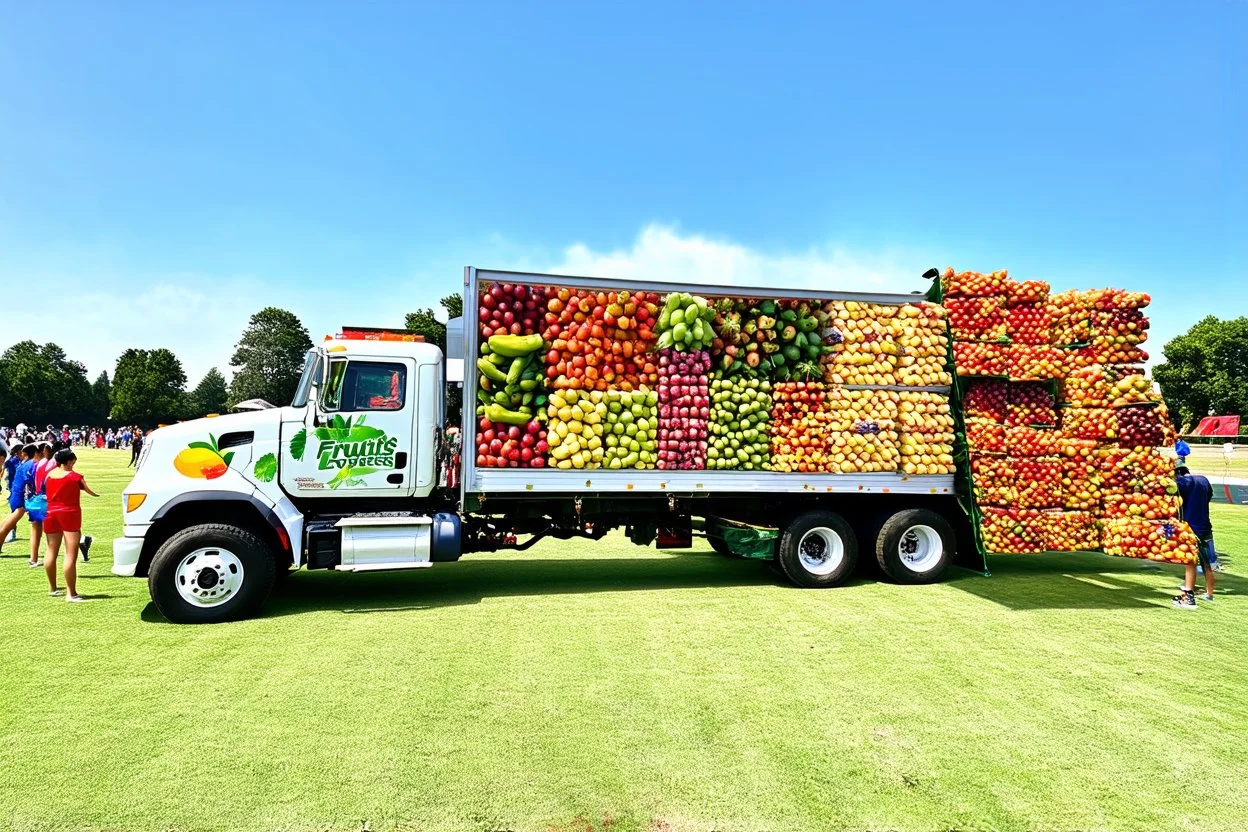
x=361, y=432
x=324, y=434
x=266, y=468
x=203, y=445
x=213, y=440
x=299, y=444
x=228, y=456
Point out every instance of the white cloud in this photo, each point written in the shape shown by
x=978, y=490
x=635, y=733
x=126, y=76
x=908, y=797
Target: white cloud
x=663, y=253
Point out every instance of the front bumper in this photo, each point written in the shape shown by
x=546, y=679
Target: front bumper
x=126, y=551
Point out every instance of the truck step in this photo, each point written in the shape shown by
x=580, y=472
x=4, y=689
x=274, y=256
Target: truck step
x=383, y=566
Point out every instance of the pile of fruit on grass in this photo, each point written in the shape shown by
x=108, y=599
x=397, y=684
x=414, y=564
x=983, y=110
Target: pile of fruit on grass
x=1161, y=540
x=576, y=423
x=684, y=408
x=740, y=437
x=599, y=339
x=1012, y=531
x=1103, y=465
x=860, y=341
x=921, y=333
x=632, y=429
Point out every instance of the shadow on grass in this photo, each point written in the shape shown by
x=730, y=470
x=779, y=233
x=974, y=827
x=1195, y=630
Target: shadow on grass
x=1080, y=581
x=467, y=582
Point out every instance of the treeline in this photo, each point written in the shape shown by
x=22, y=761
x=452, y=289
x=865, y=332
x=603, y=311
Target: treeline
x=41, y=385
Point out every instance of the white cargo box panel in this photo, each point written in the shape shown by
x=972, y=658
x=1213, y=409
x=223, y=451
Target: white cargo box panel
x=552, y=481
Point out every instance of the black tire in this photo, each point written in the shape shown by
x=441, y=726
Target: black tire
x=807, y=572
x=258, y=574
x=908, y=535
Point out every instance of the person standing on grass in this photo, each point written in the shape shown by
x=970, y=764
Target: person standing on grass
x=136, y=445
x=11, y=462
x=64, y=522
x=1197, y=493
x=23, y=483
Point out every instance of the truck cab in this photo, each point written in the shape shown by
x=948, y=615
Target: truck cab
x=346, y=476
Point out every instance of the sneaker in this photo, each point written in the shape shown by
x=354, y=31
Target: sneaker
x=1206, y=597
x=56, y=593
x=33, y=563
x=85, y=548
x=75, y=599
x=1185, y=589
x=1186, y=601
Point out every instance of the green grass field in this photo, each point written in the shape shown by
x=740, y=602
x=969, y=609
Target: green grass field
x=586, y=687
x=1210, y=461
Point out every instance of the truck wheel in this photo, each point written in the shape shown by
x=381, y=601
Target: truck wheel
x=210, y=573
x=914, y=546
x=818, y=549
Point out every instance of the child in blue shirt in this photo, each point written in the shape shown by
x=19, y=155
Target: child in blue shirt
x=23, y=483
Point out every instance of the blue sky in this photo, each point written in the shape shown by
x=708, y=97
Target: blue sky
x=170, y=168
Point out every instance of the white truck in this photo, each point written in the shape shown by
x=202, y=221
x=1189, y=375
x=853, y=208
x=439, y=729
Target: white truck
x=359, y=473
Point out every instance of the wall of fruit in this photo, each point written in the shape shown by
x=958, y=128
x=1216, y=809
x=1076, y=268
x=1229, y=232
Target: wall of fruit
x=575, y=378
x=1064, y=431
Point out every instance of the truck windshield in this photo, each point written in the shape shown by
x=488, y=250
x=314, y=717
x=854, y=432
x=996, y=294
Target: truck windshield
x=312, y=365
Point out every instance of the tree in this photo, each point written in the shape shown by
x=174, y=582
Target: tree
x=211, y=395
x=1206, y=369
x=149, y=388
x=39, y=385
x=268, y=359
x=425, y=322
x=101, y=406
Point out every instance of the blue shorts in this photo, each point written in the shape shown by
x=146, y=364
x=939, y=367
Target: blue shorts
x=16, y=501
x=1204, y=550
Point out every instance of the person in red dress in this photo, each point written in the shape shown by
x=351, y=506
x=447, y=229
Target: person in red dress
x=64, y=520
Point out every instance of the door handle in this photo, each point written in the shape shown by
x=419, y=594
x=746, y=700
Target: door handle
x=395, y=479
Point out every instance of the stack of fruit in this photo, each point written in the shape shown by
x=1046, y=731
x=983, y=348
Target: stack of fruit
x=1162, y=540
x=1081, y=474
x=976, y=359
x=509, y=389
x=862, y=430
x=1143, y=426
x=859, y=341
x=1024, y=440
x=977, y=318
x=599, y=339
x=684, y=408
x=740, y=417
x=1098, y=424
x=632, y=424
x=799, y=427
x=685, y=323
x=1093, y=385
x=1038, y=481
x=1030, y=403
x=1029, y=363
x=1139, y=504
x=993, y=480
x=502, y=445
x=927, y=433
x=509, y=309
x=1070, y=531
x=922, y=337
x=1108, y=322
x=1012, y=531
x=576, y=423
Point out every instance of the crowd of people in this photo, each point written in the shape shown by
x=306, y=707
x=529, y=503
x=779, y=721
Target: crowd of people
x=44, y=488
x=128, y=437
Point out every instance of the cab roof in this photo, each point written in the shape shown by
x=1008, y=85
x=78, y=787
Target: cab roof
x=421, y=352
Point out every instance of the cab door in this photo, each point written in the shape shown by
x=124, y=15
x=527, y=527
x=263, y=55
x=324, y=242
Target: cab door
x=357, y=439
